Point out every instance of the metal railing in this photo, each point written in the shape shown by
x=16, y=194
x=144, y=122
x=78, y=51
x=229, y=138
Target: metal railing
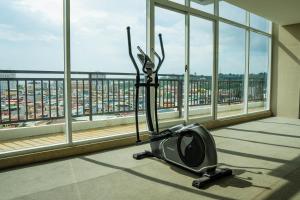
x=24, y=99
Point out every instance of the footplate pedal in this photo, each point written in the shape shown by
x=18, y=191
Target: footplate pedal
x=208, y=178
x=142, y=155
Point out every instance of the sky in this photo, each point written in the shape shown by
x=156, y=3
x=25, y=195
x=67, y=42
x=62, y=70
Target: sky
x=31, y=37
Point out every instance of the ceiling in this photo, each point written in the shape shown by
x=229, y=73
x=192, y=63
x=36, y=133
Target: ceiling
x=283, y=12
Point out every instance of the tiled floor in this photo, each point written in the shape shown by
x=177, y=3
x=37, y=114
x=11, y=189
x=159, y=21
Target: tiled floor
x=264, y=156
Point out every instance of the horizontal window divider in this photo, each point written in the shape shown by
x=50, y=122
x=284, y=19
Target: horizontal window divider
x=170, y=5
x=260, y=32
x=243, y=26
x=173, y=6
x=198, y=13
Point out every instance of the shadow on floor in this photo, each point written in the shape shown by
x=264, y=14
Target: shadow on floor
x=244, y=167
x=222, y=183
x=257, y=142
x=236, y=153
x=262, y=132
x=278, y=123
x=291, y=187
x=285, y=171
x=230, y=181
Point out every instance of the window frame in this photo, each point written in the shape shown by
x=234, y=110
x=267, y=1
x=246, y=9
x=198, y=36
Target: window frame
x=187, y=10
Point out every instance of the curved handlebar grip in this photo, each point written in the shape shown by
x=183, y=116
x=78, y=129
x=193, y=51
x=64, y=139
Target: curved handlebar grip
x=156, y=54
x=146, y=59
x=141, y=51
x=130, y=51
x=162, y=52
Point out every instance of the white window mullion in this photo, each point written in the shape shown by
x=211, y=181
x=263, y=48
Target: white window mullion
x=187, y=65
x=247, y=64
x=268, y=106
x=67, y=72
x=215, y=94
x=150, y=44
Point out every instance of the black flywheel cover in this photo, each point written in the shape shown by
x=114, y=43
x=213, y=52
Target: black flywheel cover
x=191, y=148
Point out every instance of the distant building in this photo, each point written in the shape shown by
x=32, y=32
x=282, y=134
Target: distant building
x=3, y=84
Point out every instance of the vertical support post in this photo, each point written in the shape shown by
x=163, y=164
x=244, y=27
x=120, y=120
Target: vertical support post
x=247, y=64
x=42, y=97
x=49, y=92
x=268, y=92
x=77, y=99
x=0, y=102
x=187, y=64
x=215, y=86
x=18, y=100
x=151, y=44
x=8, y=98
x=179, y=97
x=67, y=72
x=26, y=100
x=34, y=100
x=90, y=98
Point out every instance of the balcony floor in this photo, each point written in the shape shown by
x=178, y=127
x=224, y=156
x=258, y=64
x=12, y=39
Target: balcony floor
x=51, y=139
x=57, y=138
x=264, y=155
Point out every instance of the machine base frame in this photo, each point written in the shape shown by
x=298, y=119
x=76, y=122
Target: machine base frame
x=212, y=176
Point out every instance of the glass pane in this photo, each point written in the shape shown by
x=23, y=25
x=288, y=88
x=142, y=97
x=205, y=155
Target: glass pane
x=231, y=70
x=258, y=72
x=260, y=23
x=171, y=25
x=203, y=5
x=104, y=91
x=201, y=65
x=31, y=40
x=231, y=12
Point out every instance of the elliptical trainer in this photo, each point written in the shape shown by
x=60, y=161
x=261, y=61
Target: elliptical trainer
x=191, y=147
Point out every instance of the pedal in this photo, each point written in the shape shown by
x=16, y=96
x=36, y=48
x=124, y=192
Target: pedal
x=142, y=155
x=208, y=178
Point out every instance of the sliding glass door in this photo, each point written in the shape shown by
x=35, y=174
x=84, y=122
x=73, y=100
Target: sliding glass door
x=170, y=92
x=201, y=67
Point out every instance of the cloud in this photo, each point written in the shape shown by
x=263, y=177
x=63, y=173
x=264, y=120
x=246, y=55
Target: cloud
x=49, y=11
x=9, y=33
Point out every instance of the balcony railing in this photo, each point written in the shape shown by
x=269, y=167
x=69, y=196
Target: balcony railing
x=39, y=95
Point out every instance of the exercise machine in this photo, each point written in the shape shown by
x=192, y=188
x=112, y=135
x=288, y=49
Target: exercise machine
x=191, y=147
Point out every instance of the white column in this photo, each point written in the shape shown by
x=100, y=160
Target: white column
x=247, y=63
x=187, y=65
x=151, y=44
x=67, y=72
x=215, y=93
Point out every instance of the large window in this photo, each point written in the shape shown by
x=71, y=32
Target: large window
x=260, y=23
x=226, y=49
x=31, y=42
x=105, y=90
x=171, y=25
x=258, y=72
x=232, y=55
x=231, y=12
x=201, y=66
x=203, y=5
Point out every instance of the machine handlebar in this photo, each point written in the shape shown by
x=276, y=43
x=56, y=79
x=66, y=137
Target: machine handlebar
x=130, y=51
x=162, y=52
x=160, y=60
